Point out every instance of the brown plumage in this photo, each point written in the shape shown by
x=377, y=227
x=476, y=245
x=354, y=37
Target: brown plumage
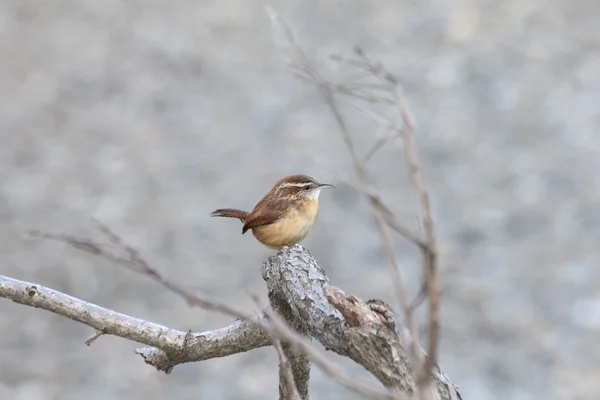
x=285, y=215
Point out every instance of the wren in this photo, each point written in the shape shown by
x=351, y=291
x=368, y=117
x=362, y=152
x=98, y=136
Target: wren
x=285, y=215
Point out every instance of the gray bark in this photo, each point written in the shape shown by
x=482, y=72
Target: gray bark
x=367, y=332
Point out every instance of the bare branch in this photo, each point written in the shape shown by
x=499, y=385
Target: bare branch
x=96, y=335
x=169, y=346
x=368, y=333
x=392, y=130
x=429, y=252
x=390, y=219
x=130, y=258
x=287, y=386
x=239, y=337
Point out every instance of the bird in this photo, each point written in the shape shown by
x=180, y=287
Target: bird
x=285, y=215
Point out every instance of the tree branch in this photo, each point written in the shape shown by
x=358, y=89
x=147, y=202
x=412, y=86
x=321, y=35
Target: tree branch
x=304, y=305
x=169, y=346
x=368, y=333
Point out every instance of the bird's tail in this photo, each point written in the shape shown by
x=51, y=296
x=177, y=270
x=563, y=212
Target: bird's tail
x=230, y=213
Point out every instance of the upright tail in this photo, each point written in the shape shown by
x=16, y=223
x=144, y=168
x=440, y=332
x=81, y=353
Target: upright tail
x=230, y=213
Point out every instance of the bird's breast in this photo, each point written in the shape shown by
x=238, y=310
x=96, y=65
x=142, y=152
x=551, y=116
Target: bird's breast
x=292, y=228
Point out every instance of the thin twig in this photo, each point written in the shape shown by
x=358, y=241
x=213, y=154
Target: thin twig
x=429, y=252
x=136, y=263
x=286, y=369
x=96, y=335
x=386, y=242
x=383, y=123
x=288, y=390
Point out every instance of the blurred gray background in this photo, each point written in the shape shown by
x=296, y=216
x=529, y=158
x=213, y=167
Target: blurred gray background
x=148, y=115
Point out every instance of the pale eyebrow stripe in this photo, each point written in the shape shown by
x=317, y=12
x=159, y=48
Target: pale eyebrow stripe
x=289, y=184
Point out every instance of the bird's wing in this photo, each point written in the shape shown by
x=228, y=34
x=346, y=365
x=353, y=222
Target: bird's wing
x=270, y=210
x=264, y=218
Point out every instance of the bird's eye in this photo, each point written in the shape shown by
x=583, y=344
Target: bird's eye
x=306, y=187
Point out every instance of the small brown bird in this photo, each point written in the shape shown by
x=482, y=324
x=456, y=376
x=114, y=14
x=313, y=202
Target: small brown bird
x=285, y=215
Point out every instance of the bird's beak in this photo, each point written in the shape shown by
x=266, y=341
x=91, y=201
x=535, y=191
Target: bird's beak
x=325, y=185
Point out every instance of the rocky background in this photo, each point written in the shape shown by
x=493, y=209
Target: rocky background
x=147, y=115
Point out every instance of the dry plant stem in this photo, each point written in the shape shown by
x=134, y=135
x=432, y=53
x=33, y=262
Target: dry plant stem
x=386, y=242
x=169, y=346
x=294, y=367
x=387, y=214
x=427, y=247
x=287, y=383
x=299, y=363
x=130, y=258
x=430, y=250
